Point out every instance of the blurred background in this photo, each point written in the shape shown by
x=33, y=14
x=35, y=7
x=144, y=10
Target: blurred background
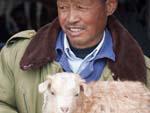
x=18, y=15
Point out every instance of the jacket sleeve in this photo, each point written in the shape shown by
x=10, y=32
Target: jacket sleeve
x=147, y=61
x=7, y=91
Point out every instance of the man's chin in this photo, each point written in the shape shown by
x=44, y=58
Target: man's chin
x=77, y=43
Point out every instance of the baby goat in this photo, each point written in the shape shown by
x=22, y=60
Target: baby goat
x=68, y=93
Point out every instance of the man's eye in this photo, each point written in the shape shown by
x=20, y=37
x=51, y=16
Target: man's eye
x=62, y=7
x=80, y=7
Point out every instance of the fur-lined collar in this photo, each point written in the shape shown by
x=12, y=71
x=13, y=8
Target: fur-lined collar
x=129, y=64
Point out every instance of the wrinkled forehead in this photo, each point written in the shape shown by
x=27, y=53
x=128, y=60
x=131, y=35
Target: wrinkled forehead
x=64, y=83
x=86, y=2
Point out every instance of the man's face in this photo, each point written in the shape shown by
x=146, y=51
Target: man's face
x=83, y=21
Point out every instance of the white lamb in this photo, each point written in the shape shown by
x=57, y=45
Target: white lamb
x=68, y=93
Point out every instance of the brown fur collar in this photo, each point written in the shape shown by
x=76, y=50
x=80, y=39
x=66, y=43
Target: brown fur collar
x=129, y=64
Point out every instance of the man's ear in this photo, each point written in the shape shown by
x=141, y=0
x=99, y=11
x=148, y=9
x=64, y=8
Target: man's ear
x=111, y=6
x=45, y=85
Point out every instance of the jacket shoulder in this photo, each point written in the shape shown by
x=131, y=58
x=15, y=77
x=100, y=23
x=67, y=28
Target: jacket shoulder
x=15, y=47
x=27, y=34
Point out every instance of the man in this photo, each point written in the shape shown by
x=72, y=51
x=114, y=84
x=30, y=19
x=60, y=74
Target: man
x=85, y=39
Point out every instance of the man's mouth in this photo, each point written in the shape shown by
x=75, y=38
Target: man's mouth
x=74, y=31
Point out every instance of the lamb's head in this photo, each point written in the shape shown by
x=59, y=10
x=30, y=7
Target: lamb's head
x=62, y=92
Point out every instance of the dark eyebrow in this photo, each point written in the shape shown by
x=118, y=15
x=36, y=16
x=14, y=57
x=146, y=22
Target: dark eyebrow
x=62, y=0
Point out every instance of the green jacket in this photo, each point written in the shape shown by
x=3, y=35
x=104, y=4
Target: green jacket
x=19, y=88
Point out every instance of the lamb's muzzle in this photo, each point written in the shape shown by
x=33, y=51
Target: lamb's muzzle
x=68, y=93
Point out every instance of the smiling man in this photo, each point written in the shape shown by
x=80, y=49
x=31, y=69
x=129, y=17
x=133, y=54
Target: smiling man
x=84, y=21
x=84, y=36
x=85, y=39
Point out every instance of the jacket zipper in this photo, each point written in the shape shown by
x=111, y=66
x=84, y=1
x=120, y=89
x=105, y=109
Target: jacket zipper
x=24, y=97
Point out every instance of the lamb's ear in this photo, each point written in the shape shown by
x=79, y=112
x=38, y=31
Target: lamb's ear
x=45, y=85
x=85, y=88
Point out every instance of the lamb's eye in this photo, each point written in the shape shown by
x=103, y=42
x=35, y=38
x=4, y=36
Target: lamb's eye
x=52, y=93
x=77, y=94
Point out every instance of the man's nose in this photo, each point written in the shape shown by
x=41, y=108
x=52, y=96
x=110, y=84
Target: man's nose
x=73, y=16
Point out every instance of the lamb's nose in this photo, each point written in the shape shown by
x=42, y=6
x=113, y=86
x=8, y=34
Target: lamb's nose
x=64, y=109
